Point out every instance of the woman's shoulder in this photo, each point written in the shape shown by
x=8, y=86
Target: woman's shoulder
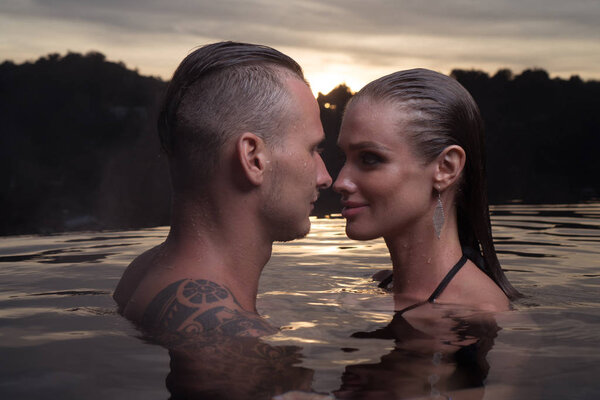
x=473, y=287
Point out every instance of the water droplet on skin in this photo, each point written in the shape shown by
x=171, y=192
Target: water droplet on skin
x=433, y=379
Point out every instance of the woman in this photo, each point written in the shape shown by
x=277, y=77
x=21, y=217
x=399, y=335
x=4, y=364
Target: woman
x=414, y=175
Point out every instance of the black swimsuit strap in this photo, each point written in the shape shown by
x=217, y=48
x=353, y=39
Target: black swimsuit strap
x=412, y=306
x=447, y=279
x=386, y=282
x=440, y=288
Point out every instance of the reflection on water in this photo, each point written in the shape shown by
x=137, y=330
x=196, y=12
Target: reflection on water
x=444, y=356
x=235, y=368
x=441, y=356
x=72, y=293
x=60, y=336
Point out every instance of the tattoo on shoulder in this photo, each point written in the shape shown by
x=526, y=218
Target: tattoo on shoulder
x=191, y=308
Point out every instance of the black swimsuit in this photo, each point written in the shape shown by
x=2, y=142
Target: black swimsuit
x=399, y=328
x=470, y=360
x=440, y=288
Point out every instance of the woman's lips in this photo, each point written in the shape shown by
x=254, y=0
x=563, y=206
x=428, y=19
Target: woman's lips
x=351, y=209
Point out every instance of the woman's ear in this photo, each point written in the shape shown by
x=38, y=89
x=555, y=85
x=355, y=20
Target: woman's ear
x=252, y=155
x=450, y=163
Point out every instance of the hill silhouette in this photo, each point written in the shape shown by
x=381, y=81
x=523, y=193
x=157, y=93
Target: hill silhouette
x=79, y=148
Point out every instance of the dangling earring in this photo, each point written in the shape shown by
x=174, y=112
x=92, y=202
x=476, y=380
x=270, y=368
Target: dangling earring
x=438, y=216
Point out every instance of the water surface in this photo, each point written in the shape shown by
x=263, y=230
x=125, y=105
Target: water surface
x=62, y=338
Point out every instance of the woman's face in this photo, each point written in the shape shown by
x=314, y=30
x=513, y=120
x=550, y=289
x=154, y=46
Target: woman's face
x=387, y=190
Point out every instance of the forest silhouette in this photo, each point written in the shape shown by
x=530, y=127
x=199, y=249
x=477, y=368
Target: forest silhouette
x=79, y=147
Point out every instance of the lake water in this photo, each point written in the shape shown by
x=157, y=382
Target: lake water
x=60, y=335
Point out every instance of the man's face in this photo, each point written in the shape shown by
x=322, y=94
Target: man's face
x=297, y=170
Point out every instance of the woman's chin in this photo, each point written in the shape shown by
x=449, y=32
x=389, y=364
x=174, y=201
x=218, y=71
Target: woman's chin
x=354, y=233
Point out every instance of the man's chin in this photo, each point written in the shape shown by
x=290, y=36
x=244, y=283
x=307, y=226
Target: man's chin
x=289, y=234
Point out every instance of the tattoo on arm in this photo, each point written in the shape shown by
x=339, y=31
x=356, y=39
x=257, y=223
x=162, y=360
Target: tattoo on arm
x=191, y=308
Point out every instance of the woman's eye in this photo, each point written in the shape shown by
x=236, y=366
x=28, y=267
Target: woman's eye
x=370, y=159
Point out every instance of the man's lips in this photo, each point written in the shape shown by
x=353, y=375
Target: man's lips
x=312, y=203
x=351, y=208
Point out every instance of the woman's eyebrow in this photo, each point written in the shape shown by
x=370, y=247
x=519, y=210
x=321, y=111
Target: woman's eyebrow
x=368, y=145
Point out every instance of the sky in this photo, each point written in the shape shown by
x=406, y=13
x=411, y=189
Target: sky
x=335, y=41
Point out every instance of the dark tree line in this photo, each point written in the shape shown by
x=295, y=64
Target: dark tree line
x=542, y=135
x=79, y=149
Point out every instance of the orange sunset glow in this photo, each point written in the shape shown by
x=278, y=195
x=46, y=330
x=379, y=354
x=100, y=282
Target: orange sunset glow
x=335, y=41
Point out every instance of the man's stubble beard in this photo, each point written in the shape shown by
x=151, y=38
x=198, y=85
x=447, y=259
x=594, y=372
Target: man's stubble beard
x=279, y=217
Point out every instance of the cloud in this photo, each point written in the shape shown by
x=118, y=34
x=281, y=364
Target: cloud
x=381, y=35
x=539, y=18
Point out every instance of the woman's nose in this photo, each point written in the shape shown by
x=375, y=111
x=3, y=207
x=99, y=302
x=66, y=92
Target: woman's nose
x=343, y=184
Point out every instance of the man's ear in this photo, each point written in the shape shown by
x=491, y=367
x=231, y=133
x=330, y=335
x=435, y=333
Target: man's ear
x=449, y=165
x=252, y=155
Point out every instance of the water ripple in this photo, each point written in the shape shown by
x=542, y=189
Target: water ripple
x=72, y=293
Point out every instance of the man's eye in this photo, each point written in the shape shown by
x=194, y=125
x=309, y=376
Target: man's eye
x=370, y=159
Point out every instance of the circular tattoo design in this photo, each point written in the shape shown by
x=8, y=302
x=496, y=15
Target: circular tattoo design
x=202, y=291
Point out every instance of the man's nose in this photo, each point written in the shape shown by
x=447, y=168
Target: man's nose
x=323, y=178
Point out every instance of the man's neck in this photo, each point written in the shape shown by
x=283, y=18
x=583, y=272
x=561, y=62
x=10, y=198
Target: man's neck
x=225, y=247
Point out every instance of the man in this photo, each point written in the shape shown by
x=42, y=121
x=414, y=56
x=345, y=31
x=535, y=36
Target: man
x=242, y=130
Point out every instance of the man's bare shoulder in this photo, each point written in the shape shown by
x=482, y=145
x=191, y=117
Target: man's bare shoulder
x=134, y=275
x=173, y=301
x=190, y=308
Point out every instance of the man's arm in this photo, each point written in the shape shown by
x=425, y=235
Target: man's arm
x=189, y=308
x=213, y=342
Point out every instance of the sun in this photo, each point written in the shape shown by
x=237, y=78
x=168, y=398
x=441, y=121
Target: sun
x=325, y=72
x=325, y=82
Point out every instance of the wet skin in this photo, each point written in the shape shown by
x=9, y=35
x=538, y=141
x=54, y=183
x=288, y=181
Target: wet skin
x=385, y=187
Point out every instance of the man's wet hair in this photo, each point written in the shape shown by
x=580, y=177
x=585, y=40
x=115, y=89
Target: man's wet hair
x=218, y=92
